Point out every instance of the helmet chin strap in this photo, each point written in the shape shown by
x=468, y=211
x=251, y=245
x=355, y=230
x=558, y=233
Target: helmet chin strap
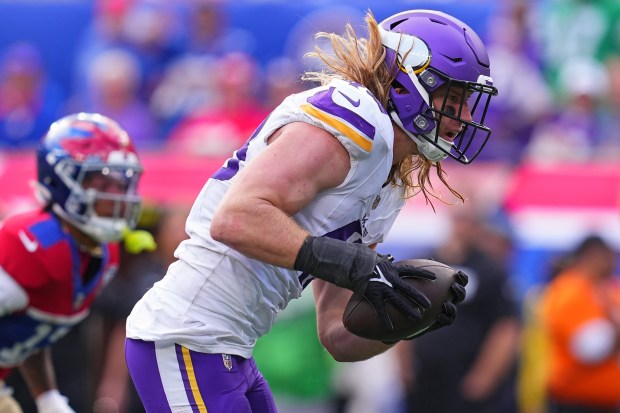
x=425, y=147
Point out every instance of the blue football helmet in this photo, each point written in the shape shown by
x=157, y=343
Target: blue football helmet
x=84, y=159
x=426, y=50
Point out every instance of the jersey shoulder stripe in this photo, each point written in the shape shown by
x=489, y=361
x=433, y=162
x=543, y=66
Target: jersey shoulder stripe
x=48, y=232
x=345, y=110
x=360, y=140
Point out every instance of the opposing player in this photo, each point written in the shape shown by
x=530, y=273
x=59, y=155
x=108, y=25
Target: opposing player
x=54, y=261
x=307, y=198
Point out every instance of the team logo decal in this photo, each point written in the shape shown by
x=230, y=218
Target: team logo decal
x=227, y=361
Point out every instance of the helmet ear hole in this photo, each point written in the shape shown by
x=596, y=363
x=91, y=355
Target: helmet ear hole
x=399, y=88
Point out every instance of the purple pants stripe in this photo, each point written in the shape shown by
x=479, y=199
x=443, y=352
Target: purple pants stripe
x=187, y=381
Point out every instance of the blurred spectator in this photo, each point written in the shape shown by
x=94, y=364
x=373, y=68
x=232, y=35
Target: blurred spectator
x=577, y=34
x=468, y=367
x=525, y=97
x=609, y=145
x=153, y=31
x=236, y=113
x=534, y=355
x=104, y=32
x=581, y=315
x=576, y=128
x=29, y=100
x=209, y=31
x=186, y=87
x=114, y=78
x=573, y=30
x=188, y=83
x=150, y=30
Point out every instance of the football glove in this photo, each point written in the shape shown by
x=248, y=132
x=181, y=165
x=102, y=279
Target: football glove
x=360, y=269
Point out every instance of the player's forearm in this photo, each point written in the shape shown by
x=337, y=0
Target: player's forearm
x=341, y=344
x=262, y=232
x=346, y=347
x=38, y=372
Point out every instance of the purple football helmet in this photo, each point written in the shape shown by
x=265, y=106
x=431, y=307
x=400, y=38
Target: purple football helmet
x=427, y=50
x=82, y=148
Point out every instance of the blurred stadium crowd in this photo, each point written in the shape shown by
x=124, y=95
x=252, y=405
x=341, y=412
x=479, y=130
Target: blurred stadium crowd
x=197, y=75
x=194, y=78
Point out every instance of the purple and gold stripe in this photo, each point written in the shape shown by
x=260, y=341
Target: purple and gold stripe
x=322, y=106
x=189, y=379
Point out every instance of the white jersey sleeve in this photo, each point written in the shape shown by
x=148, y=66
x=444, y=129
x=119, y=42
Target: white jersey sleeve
x=12, y=296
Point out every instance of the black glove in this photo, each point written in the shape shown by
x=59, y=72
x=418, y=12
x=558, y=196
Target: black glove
x=360, y=269
x=386, y=284
x=448, y=314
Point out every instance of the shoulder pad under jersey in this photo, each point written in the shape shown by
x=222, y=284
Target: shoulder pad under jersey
x=349, y=111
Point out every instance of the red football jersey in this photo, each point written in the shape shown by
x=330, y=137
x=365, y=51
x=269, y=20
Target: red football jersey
x=59, y=279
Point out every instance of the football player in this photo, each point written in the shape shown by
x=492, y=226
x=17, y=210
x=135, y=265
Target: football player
x=56, y=259
x=307, y=198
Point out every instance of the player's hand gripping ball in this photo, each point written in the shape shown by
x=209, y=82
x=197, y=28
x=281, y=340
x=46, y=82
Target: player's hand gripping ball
x=446, y=290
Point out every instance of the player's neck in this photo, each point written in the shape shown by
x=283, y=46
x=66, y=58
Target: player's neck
x=404, y=146
x=84, y=243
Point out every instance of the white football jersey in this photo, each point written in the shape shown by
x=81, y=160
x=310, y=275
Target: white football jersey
x=214, y=299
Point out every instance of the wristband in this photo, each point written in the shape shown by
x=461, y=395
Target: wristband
x=344, y=264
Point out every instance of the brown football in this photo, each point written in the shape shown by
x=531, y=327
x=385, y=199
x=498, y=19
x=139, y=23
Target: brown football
x=361, y=319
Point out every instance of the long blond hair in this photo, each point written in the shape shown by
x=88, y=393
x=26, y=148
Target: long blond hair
x=362, y=60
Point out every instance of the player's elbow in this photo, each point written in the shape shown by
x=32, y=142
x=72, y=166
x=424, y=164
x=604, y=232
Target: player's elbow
x=333, y=349
x=338, y=346
x=226, y=228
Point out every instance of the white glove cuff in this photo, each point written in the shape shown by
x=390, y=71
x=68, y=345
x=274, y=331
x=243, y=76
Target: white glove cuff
x=52, y=401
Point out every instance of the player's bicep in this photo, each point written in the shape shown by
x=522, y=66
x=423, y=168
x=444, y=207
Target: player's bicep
x=301, y=162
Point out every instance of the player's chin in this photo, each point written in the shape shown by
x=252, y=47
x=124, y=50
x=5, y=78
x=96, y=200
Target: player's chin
x=449, y=136
x=110, y=210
